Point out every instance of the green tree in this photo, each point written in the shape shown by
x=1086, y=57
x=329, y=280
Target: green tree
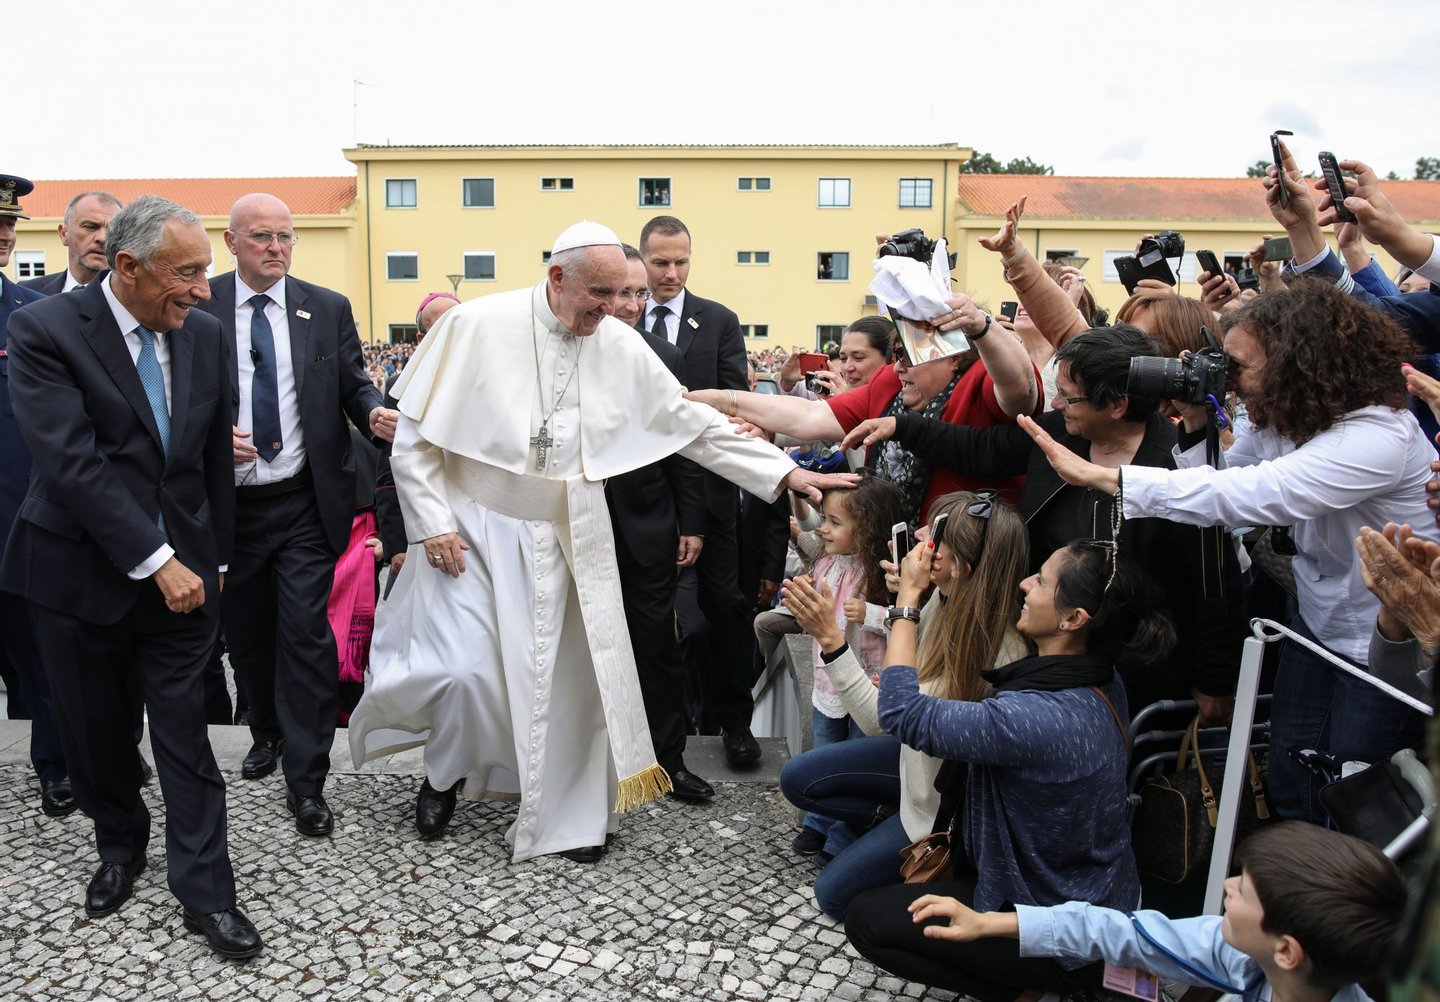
x=1259, y=169
x=986, y=163
x=1427, y=169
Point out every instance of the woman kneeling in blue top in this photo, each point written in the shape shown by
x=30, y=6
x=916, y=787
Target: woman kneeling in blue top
x=1042, y=816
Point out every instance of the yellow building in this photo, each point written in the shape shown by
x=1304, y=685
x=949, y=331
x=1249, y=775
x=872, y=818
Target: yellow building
x=783, y=235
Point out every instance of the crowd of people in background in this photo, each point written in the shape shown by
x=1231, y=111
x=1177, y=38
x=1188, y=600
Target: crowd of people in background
x=999, y=557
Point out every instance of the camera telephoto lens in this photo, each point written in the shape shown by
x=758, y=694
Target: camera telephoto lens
x=1162, y=378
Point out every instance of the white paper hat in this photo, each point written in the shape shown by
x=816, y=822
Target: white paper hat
x=585, y=234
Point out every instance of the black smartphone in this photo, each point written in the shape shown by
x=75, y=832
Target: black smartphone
x=1278, y=249
x=1335, y=182
x=899, y=541
x=1131, y=271
x=1008, y=309
x=1280, y=164
x=1208, y=262
x=937, y=531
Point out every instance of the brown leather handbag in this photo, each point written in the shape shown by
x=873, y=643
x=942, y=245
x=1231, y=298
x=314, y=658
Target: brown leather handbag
x=1174, y=828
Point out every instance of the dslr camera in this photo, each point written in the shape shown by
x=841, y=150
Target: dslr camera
x=1193, y=378
x=1165, y=244
x=912, y=243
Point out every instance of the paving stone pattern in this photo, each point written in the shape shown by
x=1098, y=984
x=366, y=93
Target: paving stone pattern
x=689, y=903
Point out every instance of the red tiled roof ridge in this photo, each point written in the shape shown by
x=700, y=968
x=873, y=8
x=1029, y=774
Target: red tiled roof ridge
x=209, y=196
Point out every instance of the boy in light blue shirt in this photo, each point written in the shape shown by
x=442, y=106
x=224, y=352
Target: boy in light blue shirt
x=1312, y=913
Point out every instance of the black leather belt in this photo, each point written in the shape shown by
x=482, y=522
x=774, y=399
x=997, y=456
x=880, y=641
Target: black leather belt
x=275, y=488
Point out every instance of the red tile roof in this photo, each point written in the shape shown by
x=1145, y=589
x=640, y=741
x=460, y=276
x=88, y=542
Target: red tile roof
x=209, y=196
x=1197, y=198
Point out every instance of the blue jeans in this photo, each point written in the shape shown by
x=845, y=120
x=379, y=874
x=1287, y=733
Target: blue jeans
x=854, y=782
x=1319, y=706
x=825, y=730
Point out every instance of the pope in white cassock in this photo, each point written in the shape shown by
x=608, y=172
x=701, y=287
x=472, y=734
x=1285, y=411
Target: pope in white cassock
x=503, y=647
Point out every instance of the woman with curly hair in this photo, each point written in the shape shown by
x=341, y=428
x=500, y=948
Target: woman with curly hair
x=1328, y=447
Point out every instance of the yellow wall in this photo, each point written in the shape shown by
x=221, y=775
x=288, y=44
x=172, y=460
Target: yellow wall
x=785, y=220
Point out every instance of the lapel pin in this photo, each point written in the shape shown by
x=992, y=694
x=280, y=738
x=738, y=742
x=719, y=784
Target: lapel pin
x=302, y=314
x=694, y=324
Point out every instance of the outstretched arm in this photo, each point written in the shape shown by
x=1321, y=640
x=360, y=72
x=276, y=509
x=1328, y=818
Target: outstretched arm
x=785, y=415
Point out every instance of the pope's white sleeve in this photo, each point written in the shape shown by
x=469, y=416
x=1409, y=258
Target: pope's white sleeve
x=750, y=463
x=419, y=468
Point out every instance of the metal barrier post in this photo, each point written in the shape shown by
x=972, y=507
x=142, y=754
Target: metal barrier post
x=1234, y=785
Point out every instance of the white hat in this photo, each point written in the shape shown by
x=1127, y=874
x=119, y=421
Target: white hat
x=585, y=234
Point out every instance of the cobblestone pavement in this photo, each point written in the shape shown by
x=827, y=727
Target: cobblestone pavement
x=689, y=903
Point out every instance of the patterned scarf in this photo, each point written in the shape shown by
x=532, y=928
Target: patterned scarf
x=893, y=462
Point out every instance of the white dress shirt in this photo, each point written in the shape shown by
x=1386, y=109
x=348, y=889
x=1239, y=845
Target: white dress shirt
x=676, y=307
x=291, y=458
x=71, y=282
x=1431, y=268
x=1369, y=468
x=127, y=323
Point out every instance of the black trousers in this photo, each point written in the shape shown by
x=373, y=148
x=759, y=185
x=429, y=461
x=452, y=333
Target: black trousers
x=28, y=688
x=93, y=672
x=990, y=970
x=722, y=660
x=281, y=646
x=648, y=591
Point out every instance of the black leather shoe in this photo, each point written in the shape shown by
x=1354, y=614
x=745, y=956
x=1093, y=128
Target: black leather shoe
x=584, y=854
x=434, y=809
x=147, y=772
x=229, y=933
x=56, y=798
x=690, y=787
x=312, y=814
x=741, y=748
x=111, y=886
x=263, y=757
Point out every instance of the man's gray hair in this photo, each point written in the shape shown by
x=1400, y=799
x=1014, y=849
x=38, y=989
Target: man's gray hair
x=140, y=227
x=103, y=196
x=568, y=260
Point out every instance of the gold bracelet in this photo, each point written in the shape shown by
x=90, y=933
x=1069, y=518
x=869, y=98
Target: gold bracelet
x=734, y=404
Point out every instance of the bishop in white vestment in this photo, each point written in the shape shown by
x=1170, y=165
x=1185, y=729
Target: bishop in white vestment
x=517, y=674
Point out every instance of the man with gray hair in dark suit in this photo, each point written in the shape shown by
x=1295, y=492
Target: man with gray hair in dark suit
x=82, y=231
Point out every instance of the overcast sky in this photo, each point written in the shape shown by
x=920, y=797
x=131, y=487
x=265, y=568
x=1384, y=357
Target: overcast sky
x=165, y=89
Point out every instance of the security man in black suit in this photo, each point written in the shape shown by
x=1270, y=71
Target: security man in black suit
x=122, y=392
x=296, y=373
x=658, y=513
x=27, y=690
x=708, y=337
x=82, y=231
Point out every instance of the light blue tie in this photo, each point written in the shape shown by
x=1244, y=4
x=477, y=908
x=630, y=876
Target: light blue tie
x=148, y=367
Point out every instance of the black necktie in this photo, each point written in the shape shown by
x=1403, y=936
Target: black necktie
x=657, y=326
x=264, y=389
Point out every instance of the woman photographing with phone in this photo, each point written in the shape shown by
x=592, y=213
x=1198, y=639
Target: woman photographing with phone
x=1043, y=809
x=978, y=562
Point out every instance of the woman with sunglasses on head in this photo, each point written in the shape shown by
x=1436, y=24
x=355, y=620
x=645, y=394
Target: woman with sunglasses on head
x=1042, y=815
x=1098, y=420
x=878, y=788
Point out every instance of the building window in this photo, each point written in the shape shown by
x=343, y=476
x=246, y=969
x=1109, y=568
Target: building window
x=479, y=266
x=477, y=193
x=754, y=330
x=29, y=264
x=402, y=266
x=753, y=183
x=752, y=257
x=828, y=334
x=832, y=266
x=544, y=257
x=400, y=193
x=834, y=192
x=557, y=184
x=654, y=191
x=915, y=192
x=404, y=333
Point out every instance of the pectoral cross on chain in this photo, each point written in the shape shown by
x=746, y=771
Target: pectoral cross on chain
x=542, y=443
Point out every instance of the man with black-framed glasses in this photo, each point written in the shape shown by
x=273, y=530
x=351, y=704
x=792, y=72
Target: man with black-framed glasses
x=297, y=372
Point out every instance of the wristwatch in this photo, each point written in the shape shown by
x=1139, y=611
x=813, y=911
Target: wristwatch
x=902, y=612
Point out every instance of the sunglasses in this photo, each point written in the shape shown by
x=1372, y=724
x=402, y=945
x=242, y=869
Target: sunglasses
x=982, y=508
